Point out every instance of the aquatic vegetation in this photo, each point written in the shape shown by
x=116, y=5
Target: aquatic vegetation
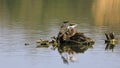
x=42, y=43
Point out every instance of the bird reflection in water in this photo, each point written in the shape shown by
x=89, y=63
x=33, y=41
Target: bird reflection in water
x=68, y=52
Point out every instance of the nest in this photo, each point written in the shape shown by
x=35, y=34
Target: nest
x=78, y=38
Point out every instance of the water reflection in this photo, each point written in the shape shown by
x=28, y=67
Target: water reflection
x=24, y=21
x=43, y=10
x=68, y=52
x=110, y=46
x=106, y=12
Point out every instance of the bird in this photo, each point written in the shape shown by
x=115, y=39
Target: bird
x=65, y=24
x=71, y=25
x=71, y=29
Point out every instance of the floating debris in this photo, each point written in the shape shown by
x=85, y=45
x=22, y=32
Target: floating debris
x=39, y=41
x=42, y=46
x=26, y=44
x=42, y=43
x=111, y=41
x=111, y=38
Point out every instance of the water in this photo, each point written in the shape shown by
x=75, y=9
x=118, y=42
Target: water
x=23, y=21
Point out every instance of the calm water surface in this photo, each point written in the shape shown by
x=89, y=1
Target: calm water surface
x=20, y=25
